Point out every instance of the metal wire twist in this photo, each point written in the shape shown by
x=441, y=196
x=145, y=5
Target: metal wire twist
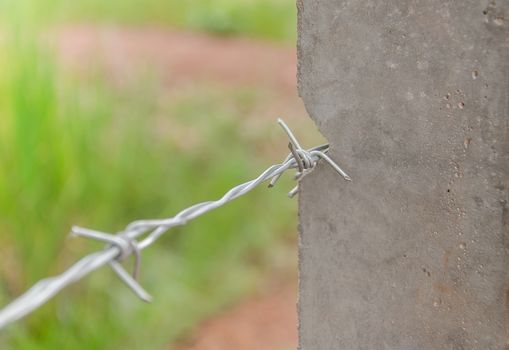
x=140, y=234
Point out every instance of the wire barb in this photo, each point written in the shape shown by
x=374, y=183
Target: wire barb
x=126, y=246
x=123, y=244
x=305, y=160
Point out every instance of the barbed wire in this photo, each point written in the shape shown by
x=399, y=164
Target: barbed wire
x=140, y=234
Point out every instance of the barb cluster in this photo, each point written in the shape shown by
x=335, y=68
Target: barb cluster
x=140, y=234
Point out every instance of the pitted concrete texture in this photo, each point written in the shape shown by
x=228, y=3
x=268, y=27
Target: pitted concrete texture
x=412, y=254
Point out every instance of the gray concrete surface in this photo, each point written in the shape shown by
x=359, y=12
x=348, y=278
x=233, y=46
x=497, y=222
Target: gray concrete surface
x=414, y=97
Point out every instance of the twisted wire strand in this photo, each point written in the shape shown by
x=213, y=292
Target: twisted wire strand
x=123, y=244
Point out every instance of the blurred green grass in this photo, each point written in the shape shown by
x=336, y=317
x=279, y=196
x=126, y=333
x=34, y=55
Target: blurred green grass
x=268, y=19
x=83, y=152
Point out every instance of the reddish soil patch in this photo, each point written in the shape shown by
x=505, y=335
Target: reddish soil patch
x=266, y=322
x=180, y=56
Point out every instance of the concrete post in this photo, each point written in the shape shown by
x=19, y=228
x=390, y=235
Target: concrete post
x=414, y=98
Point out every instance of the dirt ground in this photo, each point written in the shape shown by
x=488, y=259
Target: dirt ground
x=181, y=56
x=265, y=321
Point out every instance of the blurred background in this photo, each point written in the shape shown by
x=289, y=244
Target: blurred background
x=117, y=110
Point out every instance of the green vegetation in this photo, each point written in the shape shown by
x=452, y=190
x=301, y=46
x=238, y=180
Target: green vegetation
x=76, y=151
x=85, y=154
x=271, y=19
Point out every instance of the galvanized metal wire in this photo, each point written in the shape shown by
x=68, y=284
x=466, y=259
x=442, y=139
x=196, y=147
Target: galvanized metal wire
x=140, y=234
